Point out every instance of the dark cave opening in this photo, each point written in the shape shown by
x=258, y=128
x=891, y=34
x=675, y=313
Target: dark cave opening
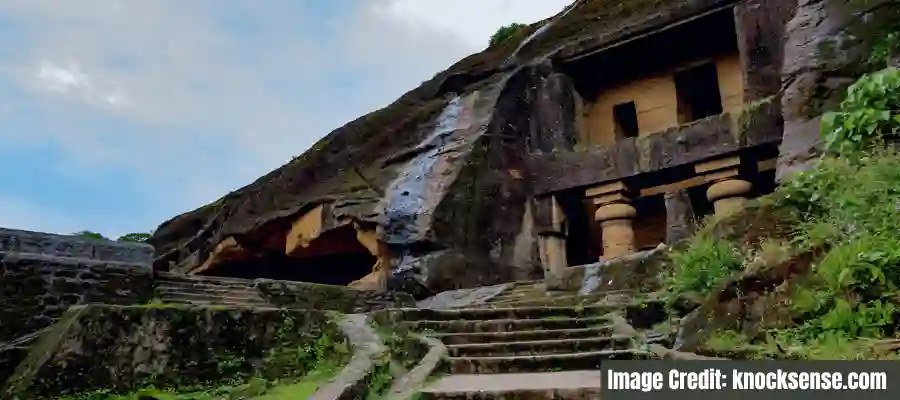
x=708, y=36
x=334, y=258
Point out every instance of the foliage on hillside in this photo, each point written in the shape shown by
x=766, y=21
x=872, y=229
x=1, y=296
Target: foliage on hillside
x=506, y=32
x=846, y=213
x=130, y=237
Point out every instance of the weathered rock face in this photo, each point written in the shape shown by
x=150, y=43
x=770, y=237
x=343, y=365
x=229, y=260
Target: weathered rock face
x=439, y=175
x=126, y=348
x=438, y=186
x=828, y=47
x=42, y=274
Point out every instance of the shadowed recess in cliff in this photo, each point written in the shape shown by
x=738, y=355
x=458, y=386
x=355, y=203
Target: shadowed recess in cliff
x=411, y=198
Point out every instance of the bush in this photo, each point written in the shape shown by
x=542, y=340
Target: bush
x=506, y=32
x=867, y=115
x=700, y=266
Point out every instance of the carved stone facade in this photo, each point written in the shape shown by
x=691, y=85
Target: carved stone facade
x=688, y=134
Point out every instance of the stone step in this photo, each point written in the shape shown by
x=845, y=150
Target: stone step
x=222, y=280
x=412, y=314
x=562, y=299
x=537, y=347
x=236, y=292
x=246, y=297
x=504, y=325
x=519, y=336
x=218, y=302
x=189, y=284
x=541, y=363
x=566, y=385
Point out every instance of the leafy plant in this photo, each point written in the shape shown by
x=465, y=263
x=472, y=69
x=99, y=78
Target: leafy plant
x=506, y=32
x=134, y=237
x=867, y=115
x=702, y=264
x=89, y=234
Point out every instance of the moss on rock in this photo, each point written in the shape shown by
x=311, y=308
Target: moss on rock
x=183, y=348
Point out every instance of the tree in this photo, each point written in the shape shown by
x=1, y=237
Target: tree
x=89, y=234
x=506, y=32
x=134, y=237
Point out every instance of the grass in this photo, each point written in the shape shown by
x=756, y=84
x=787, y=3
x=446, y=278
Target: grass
x=305, y=387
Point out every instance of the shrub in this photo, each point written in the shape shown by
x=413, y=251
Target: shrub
x=506, y=32
x=701, y=265
x=867, y=115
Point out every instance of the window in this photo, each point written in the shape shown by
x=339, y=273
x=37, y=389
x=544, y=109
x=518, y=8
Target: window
x=698, y=93
x=625, y=118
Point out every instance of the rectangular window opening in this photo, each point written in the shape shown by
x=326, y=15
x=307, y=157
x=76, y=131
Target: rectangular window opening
x=625, y=118
x=698, y=93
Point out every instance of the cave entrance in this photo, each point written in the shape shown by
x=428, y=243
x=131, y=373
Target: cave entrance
x=336, y=257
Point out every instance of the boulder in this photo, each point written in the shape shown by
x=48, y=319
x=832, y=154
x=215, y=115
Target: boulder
x=828, y=44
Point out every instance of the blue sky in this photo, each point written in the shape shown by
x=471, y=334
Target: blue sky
x=116, y=115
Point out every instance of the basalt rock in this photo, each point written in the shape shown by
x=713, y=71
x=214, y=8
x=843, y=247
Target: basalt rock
x=828, y=47
x=441, y=168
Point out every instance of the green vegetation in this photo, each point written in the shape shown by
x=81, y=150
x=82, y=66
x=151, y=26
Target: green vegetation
x=702, y=264
x=506, y=32
x=293, y=369
x=845, y=216
x=868, y=114
x=130, y=237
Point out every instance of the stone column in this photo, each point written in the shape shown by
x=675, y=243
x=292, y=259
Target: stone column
x=615, y=215
x=727, y=191
x=679, y=216
x=728, y=195
x=552, y=233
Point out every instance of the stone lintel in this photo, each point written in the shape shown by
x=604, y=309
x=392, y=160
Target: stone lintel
x=718, y=164
x=609, y=188
x=673, y=187
x=721, y=174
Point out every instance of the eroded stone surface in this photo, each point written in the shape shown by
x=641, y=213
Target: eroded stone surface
x=828, y=43
x=37, y=289
x=160, y=345
x=13, y=241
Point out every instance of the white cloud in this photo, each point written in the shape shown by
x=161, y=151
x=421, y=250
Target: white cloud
x=221, y=106
x=473, y=21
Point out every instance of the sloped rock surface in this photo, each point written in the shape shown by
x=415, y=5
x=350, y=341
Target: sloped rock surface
x=439, y=169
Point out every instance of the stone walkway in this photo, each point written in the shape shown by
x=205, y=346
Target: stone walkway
x=521, y=343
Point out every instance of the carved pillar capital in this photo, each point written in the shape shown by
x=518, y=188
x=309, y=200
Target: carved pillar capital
x=727, y=191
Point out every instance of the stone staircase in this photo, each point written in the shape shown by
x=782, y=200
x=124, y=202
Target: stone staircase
x=522, y=344
x=206, y=290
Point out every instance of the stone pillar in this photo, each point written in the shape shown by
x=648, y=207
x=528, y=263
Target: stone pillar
x=728, y=195
x=552, y=231
x=727, y=191
x=615, y=215
x=679, y=216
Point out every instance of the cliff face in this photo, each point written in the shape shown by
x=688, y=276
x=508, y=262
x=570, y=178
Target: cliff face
x=436, y=185
x=440, y=171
